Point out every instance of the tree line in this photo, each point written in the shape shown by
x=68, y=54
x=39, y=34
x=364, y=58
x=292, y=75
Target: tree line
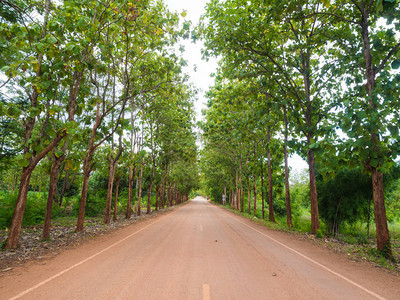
x=94, y=87
x=316, y=78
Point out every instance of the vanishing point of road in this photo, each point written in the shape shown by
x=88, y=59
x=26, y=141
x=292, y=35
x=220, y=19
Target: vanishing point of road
x=198, y=251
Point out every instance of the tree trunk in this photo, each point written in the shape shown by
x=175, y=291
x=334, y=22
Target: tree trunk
x=157, y=196
x=16, y=223
x=163, y=195
x=85, y=185
x=111, y=173
x=140, y=190
x=153, y=174
x=237, y=195
x=57, y=161
x=241, y=188
x=116, y=198
x=168, y=196
x=131, y=179
x=313, y=193
x=382, y=231
x=270, y=195
x=149, y=199
x=262, y=191
x=287, y=188
x=255, y=195
x=248, y=193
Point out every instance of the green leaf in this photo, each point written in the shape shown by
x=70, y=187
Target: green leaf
x=58, y=153
x=374, y=163
x=361, y=114
x=23, y=162
x=394, y=130
x=396, y=64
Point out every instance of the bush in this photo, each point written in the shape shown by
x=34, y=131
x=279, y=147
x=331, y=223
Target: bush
x=34, y=211
x=7, y=205
x=344, y=198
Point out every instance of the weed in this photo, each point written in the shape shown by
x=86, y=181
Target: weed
x=319, y=234
x=3, y=244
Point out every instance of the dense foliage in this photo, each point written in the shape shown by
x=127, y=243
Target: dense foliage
x=95, y=111
x=316, y=78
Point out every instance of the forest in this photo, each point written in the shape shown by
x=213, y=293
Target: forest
x=315, y=78
x=97, y=115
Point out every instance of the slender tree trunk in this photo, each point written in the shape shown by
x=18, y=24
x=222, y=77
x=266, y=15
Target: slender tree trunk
x=153, y=174
x=163, y=196
x=241, y=188
x=149, y=199
x=15, y=229
x=85, y=185
x=157, y=196
x=255, y=194
x=262, y=190
x=237, y=196
x=116, y=198
x=382, y=230
x=248, y=193
x=287, y=188
x=111, y=173
x=224, y=202
x=57, y=161
x=313, y=193
x=113, y=162
x=140, y=190
x=131, y=178
x=86, y=172
x=168, y=196
x=270, y=195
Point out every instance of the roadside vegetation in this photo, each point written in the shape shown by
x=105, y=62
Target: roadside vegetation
x=319, y=79
x=96, y=114
x=354, y=235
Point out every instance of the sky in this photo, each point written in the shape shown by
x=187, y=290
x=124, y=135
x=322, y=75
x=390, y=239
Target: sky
x=201, y=78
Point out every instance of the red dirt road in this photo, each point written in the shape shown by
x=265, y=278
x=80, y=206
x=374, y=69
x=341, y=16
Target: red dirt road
x=199, y=251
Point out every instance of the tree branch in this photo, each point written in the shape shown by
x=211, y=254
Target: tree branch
x=385, y=60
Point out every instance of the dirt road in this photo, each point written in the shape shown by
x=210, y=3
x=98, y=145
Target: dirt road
x=199, y=251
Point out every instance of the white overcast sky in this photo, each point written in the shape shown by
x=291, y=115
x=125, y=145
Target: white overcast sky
x=201, y=78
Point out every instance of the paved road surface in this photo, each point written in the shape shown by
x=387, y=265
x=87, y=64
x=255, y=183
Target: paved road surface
x=199, y=251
